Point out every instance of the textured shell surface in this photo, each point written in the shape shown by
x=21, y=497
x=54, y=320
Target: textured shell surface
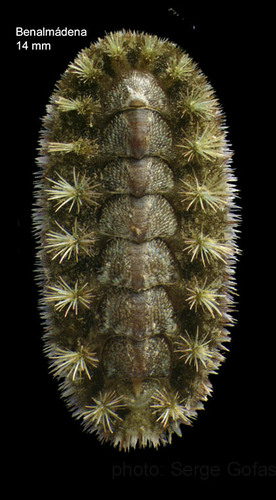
x=136, y=225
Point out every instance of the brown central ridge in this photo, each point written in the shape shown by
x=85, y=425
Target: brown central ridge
x=137, y=260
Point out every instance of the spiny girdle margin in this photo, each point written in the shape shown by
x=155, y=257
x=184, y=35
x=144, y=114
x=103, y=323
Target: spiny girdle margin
x=136, y=225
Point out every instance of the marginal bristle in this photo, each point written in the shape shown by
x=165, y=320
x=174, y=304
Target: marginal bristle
x=207, y=249
x=80, y=192
x=212, y=193
x=169, y=408
x=195, y=350
x=65, y=244
x=204, y=144
x=103, y=414
x=81, y=147
x=179, y=68
x=63, y=295
x=87, y=69
x=72, y=364
x=199, y=103
x=205, y=297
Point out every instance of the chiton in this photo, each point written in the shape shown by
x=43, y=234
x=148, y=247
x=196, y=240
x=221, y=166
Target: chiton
x=136, y=225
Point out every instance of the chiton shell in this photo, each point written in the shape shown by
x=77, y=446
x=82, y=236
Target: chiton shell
x=136, y=225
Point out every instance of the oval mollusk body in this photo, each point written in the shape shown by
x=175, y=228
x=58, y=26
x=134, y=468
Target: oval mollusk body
x=136, y=225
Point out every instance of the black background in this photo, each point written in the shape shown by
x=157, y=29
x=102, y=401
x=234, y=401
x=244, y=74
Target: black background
x=238, y=424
